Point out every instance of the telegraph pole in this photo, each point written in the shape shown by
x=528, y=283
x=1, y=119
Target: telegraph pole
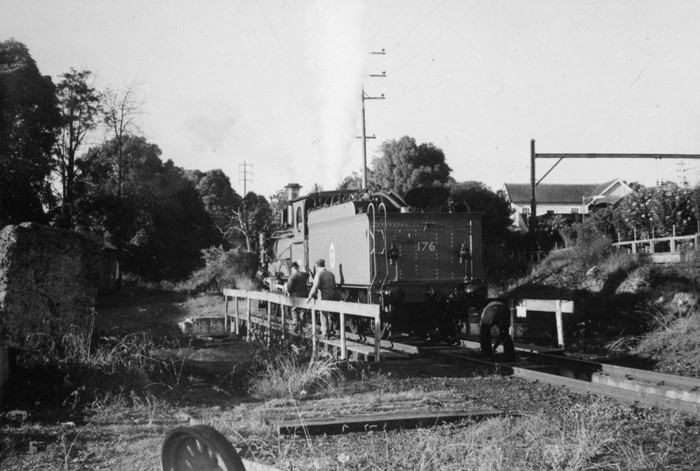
x=245, y=175
x=364, y=136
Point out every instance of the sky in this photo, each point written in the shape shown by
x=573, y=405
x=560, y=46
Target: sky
x=276, y=85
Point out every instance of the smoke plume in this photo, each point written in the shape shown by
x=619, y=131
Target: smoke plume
x=339, y=60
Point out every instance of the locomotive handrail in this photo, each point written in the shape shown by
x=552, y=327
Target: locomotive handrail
x=343, y=308
x=385, y=251
x=373, y=249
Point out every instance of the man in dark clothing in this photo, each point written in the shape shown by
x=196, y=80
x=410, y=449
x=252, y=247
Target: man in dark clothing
x=324, y=284
x=496, y=314
x=297, y=286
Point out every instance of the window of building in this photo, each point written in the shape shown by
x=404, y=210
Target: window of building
x=574, y=210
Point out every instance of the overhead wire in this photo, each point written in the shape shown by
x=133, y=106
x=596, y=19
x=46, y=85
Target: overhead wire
x=444, y=31
x=390, y=20
x=420, y=22
x=272, y=29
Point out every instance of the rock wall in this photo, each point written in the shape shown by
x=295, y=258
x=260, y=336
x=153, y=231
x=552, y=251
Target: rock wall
x=48, y=281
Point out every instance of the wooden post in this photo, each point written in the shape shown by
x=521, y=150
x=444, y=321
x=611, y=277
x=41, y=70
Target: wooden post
x=511, y=330
x=343, y=344
x=247, y=331
x=235, y=314
x=269, y=321
x=634, y=244
x=314, y=340
x=673, y=240
x=283, y=308
x=377, y=338
x=226, y=328
x=560, y=324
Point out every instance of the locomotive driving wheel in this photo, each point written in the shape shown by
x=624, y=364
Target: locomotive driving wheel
x=199, y=447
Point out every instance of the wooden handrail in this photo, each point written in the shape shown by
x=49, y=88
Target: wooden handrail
x=371, y=311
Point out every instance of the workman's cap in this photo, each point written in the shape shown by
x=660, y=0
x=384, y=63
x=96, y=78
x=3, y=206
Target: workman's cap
x=295, y=265
x=320, y=263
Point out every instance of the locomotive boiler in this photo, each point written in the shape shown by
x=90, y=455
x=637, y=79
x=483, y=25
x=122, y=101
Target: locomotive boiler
x=419, y=257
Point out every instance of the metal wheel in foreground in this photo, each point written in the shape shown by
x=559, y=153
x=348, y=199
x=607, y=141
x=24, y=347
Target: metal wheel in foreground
x=199, y=447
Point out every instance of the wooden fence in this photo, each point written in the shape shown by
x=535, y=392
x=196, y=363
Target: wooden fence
x=678, y=245
x=233, y=322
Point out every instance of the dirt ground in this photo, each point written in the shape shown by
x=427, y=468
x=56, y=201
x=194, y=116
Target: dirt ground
x=123, y=428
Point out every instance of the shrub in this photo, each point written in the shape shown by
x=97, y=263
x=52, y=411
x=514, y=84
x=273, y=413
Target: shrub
x=293, y=375
x=224, y=269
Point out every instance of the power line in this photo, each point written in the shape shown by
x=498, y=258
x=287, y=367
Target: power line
x=269, y=24
x=455, y=23
x=389, y=21
x=420, y=22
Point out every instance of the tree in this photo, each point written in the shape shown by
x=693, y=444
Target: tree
x=79, y=107
x=218, y=196
x=159, y=220
x=404, y=165
x=351, y=182
x=28, y=121
x=673, y=210
x=120, y=111
x=278, y=205
x=496, y=220
x=654, y=212
x=253, y=217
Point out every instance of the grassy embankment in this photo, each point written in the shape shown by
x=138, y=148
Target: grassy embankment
x=627, y=307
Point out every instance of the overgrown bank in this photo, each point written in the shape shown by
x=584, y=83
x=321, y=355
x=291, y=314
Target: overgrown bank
x=627, y=308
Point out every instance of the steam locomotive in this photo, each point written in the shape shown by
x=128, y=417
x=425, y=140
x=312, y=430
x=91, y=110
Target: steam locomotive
x=418, y=256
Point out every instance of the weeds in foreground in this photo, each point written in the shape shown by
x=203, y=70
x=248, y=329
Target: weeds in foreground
x=586, y=437
x=289, y=375
x=64, y=372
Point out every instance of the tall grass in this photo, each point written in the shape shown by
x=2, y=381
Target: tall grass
x=292, y=376
x=130, y=354
x=589, y=436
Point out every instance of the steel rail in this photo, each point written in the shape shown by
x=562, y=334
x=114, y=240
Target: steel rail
x=625, y=384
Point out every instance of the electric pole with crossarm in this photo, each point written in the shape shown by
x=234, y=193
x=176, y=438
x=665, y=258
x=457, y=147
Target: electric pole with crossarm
x=364, y=136
x=245, y=175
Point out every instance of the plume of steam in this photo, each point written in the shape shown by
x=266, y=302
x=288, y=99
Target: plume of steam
x=340, y=59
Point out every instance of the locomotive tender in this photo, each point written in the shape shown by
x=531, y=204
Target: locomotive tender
x=423, y=266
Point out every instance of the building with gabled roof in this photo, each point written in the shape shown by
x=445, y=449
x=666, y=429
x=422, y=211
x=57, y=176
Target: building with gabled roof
x=568, y=199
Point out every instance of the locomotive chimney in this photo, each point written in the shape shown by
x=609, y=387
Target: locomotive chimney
x=292, y=191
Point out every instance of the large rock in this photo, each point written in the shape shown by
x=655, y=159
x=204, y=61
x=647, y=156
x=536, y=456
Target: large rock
x=48, y=281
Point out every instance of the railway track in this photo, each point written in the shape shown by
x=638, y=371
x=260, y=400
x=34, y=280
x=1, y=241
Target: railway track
x=642, y=387
x=635, y=386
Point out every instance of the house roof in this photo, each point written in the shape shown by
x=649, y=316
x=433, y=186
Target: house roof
x=603, y=187
x=520, y=193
